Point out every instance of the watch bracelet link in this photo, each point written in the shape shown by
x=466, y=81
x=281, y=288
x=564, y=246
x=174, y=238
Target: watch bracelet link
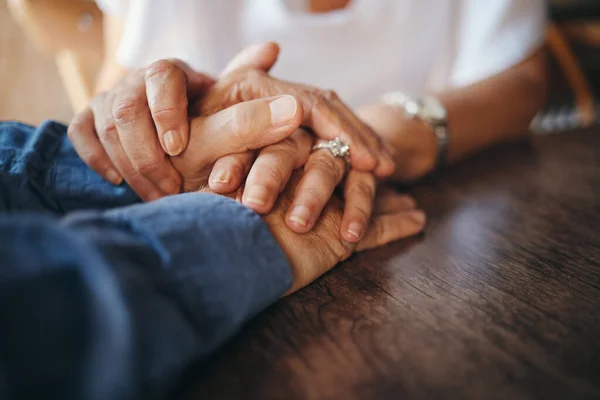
x=413, y=109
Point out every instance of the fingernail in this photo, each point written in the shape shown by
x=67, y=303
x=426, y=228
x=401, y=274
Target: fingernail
x=169, y=186
x=256, y=195
x=221, y=176
x=283, y=110
x=355, y=229
x=300, y=215
x=173, y=143
x=418, y=217
x=113, y=176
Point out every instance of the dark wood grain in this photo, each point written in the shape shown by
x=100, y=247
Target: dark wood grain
x=500, y=299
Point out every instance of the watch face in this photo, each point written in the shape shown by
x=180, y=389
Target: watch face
x=433, y=109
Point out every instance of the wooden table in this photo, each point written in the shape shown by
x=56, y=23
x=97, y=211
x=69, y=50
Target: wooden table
x=499, y=299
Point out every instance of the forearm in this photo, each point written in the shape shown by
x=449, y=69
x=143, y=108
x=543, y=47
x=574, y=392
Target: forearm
x=497, y=109
x=40, y=171
x=494, y=110
x=127, y=298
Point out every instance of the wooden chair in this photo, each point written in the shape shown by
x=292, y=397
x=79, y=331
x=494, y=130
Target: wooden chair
x=71, y=31
x=585, y=103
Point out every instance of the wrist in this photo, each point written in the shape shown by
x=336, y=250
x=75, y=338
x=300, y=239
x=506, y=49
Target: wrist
x=275, y=222
x=413, y=142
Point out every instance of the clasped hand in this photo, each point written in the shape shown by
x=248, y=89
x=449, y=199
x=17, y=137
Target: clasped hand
x=167, y=129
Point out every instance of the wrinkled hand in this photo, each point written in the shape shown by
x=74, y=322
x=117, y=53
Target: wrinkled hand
x=241, y=128
x=269, y=170
x=125, y=132
x=412, y=142
x=247, y=78
x=312, y=254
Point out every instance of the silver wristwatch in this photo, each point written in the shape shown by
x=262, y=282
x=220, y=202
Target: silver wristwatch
x=428, y=110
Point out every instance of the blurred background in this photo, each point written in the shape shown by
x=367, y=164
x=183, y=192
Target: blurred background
x=50, y=52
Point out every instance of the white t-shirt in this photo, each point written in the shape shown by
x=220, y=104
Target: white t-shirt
x=362, y=51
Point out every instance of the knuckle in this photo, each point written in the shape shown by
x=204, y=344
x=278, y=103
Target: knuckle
x=363, y=188
x=161, y=68
x=339, y=248
x=252, y=74
x=74, y=128
x=361, y=212
x=108, y=131
x=330, y=95
x=128, y=108
x=254, y=84
x=288, y=147
x=269, y=176
x=237, y=166
x=321, y=104
x=136, y=181
x=315, y=195
x=168, y=113
x=94, y=159
x=327, y=165
x=147, y=167
x=380, y=232
x=240, y=124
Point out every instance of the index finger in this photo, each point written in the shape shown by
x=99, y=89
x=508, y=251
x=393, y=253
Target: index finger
x=166, y=86
x=137, y=135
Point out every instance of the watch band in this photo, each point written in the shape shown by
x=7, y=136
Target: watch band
x=418, y=109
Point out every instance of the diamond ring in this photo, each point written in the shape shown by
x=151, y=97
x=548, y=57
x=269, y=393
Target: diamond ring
x=337, y=147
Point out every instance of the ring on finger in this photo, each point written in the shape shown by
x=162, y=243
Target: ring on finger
x=337, y=147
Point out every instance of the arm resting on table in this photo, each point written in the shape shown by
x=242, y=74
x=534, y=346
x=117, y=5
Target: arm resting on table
x=114, y=304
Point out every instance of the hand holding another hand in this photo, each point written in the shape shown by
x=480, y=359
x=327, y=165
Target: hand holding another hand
x=312, y=254
x=132, y=130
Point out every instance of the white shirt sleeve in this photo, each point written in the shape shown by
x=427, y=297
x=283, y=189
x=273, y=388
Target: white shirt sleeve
x=494, y=35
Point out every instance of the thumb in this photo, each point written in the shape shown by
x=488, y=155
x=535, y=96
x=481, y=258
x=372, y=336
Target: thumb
x=246, y=126
x=259, y=56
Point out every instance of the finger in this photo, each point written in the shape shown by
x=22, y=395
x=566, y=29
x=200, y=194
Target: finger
x=246, y=126
x=322, y=174
x=229, y=172
x=272, y=170
x=235, y=195
x=328, y=122
x=389, y=227
x=197, y=82
x=137, y=135
x=166, y=86
x=83, y=136
x=107, y=133
x=359, y=192
x=386, y=165
x=386, y=204
x=259, y=56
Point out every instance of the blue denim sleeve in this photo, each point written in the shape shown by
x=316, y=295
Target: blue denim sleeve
x=40, y=170
x=115, y=304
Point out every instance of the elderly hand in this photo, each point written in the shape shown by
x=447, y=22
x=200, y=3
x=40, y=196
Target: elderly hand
x=247, y=78
x=412, y=142
x=241, y=128
x=125, y=132
x=314, y=253
x=270, y=169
